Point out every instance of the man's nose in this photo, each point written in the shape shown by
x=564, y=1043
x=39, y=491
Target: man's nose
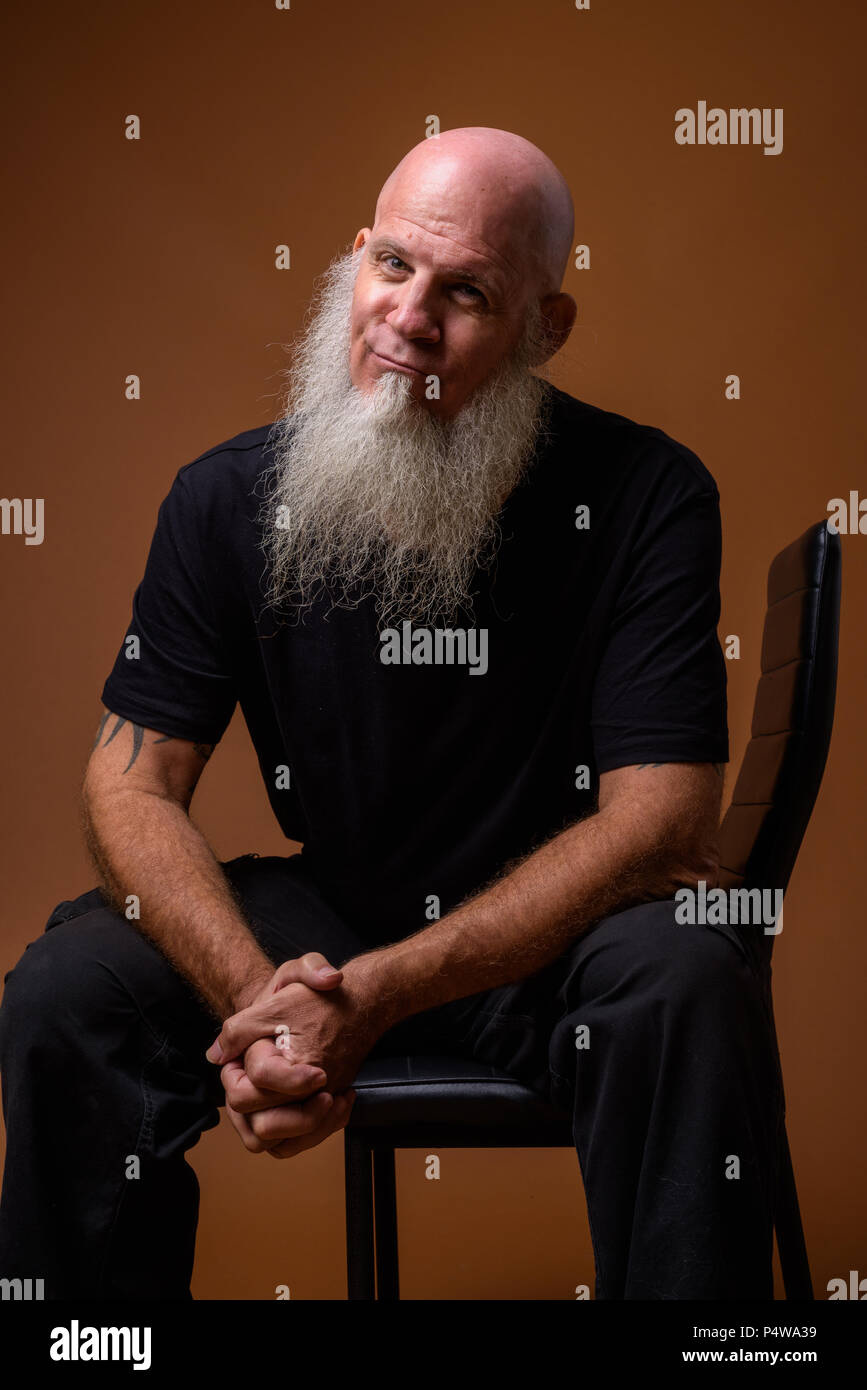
x=413, y=316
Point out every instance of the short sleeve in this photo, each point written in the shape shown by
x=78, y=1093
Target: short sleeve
x=659, y=693
x=175, y=677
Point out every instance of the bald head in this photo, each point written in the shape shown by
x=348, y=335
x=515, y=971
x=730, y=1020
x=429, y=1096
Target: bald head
x=469, y=245
x=493, y=189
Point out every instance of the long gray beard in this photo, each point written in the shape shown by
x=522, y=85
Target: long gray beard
x=369, y=493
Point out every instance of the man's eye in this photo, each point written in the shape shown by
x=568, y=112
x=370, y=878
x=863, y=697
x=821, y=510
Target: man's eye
x=470, y=290
x=395, y=258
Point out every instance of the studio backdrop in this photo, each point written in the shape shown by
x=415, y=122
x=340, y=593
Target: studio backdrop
x=177, y=176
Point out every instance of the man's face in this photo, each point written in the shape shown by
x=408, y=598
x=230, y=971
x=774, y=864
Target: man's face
x=433, y=303
x=372, y=488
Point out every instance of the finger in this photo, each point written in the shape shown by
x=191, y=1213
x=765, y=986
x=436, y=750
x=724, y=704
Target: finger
x=246, y=1093
x=280, y=1069
x=250, y=1026
x=238, y=1083
x=248, y=1138
x=273, y=1064
x=337, y=1118
x=290, y=1120
x=301, y=1120
x=238, y=1033
x=311, y=969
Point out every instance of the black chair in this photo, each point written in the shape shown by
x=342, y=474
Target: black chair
x=446, y=1102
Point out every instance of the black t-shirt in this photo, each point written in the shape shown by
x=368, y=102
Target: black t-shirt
x=412, y=781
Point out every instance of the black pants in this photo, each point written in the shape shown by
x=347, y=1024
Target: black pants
x=102, y=1060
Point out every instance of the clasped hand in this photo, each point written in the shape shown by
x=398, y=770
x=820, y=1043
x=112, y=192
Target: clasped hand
x=276, y=1097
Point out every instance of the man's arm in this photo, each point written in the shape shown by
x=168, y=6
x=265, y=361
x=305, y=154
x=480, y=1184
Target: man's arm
x=655, y=831
x=136, y=794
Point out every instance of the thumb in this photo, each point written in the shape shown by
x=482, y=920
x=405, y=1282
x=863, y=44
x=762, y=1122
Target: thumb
x=311, y=969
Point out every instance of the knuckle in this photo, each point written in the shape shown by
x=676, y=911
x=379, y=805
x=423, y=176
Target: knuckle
x=233, y=1098
x=256, y=1068
x=258, y=1124
x=244, y=1132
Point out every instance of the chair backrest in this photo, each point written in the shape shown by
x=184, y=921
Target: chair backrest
x=782, y=767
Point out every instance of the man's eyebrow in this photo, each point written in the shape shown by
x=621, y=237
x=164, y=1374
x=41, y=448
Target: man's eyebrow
x=454, y=272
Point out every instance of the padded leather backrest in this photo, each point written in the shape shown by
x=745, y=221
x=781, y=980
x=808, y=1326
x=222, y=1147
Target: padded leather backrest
x=782, y=768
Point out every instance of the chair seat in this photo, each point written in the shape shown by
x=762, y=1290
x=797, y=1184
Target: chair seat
x=410, y=1101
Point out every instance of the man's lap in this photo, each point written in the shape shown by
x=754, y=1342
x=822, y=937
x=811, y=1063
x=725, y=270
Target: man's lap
x=635, y=959
x=286, y=912
x=510, y=1025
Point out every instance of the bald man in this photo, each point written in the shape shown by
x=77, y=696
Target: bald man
x=471, y=622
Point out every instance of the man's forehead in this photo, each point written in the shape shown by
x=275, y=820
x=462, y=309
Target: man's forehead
x=484, y=209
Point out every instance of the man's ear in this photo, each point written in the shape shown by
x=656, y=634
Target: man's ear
x=559, y=312
x=361, y=238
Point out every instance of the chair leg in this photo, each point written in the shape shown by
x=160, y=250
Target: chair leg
x=360, y=1273
x=385, y=1218
x=794, y=1263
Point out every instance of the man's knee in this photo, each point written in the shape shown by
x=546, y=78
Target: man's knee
x=646, y=949
x=73, y=982
x=641, y=981
x=57, y=982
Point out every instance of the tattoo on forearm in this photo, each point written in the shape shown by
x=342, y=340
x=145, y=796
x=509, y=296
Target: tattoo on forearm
x=719, y=768
x=204, y=750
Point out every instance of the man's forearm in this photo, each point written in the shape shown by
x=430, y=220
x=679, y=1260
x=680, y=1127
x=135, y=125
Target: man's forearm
x=525, y=919
x=146, y=845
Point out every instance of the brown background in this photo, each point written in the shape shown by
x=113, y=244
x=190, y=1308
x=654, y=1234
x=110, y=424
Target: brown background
x=156, y=257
